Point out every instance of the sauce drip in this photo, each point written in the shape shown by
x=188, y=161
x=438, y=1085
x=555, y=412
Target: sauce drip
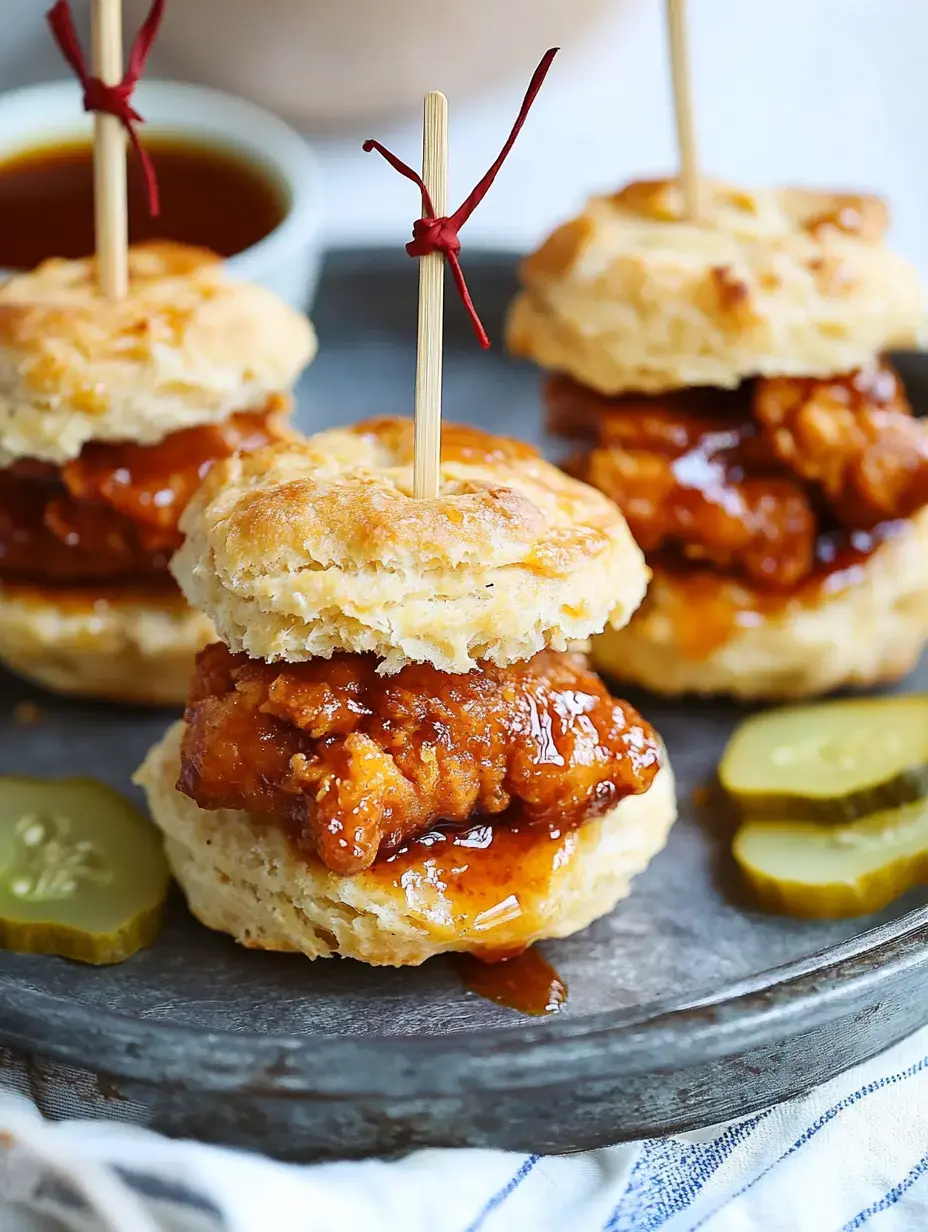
x=494, y=884
x=527, y=983
x=494, y=888
x=210, y=197
x=708, y=607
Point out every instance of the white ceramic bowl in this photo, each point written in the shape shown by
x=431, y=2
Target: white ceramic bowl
x=344, y=63
x=286, y=261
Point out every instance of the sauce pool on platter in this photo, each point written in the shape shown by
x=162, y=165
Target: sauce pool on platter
x=526, y=982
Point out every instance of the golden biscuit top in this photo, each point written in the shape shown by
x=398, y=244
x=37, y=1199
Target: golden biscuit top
x=632, y=295
x=187, y=345
x=725, y=207
x=344, y=498
x=309, y=547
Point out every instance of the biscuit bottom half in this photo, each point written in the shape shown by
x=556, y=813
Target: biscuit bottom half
x=133, y=645
x=487, y=890
x=707, y=634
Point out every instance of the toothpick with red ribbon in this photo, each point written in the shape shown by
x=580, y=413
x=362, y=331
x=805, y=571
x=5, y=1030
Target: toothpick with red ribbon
x=107, y=92
x=435, y=240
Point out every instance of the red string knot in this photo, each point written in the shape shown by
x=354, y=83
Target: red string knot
x=431, y=234
x=112, y=100
x=116, y=99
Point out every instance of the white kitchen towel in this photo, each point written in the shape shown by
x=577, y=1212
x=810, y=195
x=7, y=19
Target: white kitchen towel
x=852, y=1154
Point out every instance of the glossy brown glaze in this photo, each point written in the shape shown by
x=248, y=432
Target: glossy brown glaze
x=775, y=485
x=691, y=471
x=159, y=590
x=209, y=197
x=527, y=983
x=356, y=764
x=852, y=438
x=495, y=878
x=113, y=511
x=707, y=606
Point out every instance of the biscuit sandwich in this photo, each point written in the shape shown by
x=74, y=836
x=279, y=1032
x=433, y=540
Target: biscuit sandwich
x=395, y=751
x=111, y=413
x=726, y=383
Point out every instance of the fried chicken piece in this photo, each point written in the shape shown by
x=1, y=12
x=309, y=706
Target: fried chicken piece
x=355, y=764
x=689, y=470
x=152, y=484
x=43, y=539
x=852, y=436
x=112, y=512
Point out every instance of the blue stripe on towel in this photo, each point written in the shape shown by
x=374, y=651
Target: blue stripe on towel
x=55, y=1192
x=670, y=1173
x=159, y=1190
x=889, y=1199
x=502, y=1194
x=829, y=1115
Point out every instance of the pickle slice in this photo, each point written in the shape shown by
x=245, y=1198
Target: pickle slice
x=816, y=871
x=835, y=761
x=82, y=873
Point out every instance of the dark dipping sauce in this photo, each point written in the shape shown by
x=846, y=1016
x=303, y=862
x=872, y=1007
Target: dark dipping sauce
x=210, y=197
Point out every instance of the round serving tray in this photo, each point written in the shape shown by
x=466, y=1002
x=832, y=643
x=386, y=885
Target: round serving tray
x=686, y=1007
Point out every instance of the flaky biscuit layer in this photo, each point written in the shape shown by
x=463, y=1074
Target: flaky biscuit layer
x=138, y=649
x=307, y=548
x=631, y=296
x=188, y=345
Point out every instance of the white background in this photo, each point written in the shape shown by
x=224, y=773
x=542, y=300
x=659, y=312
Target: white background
x=820, y=92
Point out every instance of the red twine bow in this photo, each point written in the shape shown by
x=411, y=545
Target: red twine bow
x=431, y=234
x=113, y=100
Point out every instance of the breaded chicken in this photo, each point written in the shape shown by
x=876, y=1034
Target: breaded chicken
x=853, y=437
x=690, y=471
x=355, y=763
x=113, y=511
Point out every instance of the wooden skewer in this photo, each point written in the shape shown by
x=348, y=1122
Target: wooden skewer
x=431, y=305
x=111, y=211
x=683, y=103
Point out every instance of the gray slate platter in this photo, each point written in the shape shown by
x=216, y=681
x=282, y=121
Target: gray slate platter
x=686, y=1006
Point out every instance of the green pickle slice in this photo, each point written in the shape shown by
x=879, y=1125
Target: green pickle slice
x=830, y=762
x=816, y=871
x=82, y=873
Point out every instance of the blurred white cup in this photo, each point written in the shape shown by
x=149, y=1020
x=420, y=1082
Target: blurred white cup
x=335, y=62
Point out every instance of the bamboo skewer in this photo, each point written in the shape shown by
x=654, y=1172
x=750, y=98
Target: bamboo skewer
x=683, y=105
x=431, y=305
x=435, y=241
x=109, y=156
